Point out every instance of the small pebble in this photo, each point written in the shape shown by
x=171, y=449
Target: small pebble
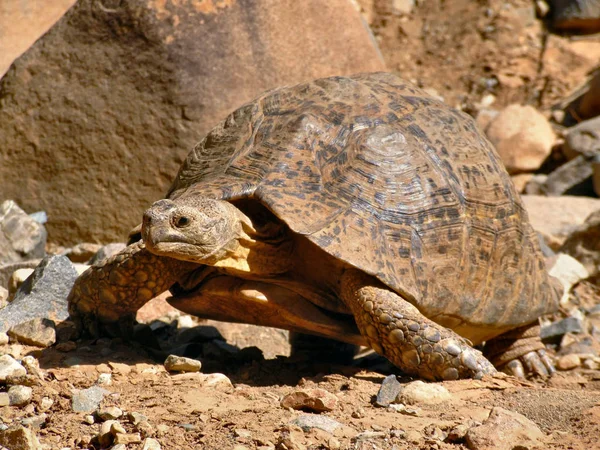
x=175, y=363
x=10, y=368
x=389, y=390
x=18, y=437
x=418, y=392
x=88, y=400
x=317, y=400
x=117, y=428
x=4, y=339
x=136, y=417
x=568, y=362
x=128, y=438
x=32, y=366
x=89, y=419
x=151, y=444
x=104, y=379
x=310, y=421
x=145, y=429
x=241, y=433
x=109, y=413
x=35, y=421
x=19, y=395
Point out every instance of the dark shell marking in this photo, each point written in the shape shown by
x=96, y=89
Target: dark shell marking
x=393, y=182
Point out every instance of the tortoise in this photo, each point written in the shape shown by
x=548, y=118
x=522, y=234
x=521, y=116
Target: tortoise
x=356, y=208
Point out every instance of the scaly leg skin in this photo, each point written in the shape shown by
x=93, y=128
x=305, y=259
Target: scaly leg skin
x=520, y=352
x=397, y=330
x=109, y=294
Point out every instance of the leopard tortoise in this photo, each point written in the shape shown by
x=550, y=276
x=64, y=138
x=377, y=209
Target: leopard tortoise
x=357, y=208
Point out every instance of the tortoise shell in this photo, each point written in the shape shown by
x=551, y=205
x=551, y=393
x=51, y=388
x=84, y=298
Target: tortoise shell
x=382, y=176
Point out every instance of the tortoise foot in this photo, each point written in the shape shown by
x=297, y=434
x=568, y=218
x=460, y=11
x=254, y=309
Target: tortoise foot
x=535, y=363
x=521, y=353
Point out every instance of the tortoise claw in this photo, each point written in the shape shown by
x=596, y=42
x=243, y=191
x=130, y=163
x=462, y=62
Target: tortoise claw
x=535, y=362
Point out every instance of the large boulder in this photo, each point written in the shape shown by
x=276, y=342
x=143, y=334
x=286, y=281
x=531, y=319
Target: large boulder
x=522, y=136
x=23, y=22
x=97, y=116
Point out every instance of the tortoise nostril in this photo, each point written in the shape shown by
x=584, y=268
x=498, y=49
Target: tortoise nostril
x=181, y=221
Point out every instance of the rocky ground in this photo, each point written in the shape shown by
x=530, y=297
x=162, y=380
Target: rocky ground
x=489, y=58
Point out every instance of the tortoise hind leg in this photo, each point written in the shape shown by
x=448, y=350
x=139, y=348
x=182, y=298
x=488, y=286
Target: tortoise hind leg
x=397, y=330
x=519, y=352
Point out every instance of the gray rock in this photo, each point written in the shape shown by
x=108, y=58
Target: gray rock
x=106, y=251
x=87, y=400
x=581, y=16
x=572, y=178
x=21, y=237
x=10, y=368
x=505, y=430
x=19, y=395
x=388, y=391
x=560, y=328
x=310, y=421
x=583, y=139
x=18, y=437
x=35, y=421
x=175, y=363
x=43, y=295
x=38, y=332
x=418, y=392
x=557, y=217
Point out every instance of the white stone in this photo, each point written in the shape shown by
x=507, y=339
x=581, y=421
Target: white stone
x=569, y=272
x=418, y=392
x=9, y=368
x=175, y=363
x=19, y=395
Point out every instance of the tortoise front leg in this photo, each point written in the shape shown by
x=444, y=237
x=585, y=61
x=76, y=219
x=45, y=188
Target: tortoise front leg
x=112, y=291
x=397, y=330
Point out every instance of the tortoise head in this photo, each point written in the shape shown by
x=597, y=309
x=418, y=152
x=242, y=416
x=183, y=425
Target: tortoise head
x=197, y=229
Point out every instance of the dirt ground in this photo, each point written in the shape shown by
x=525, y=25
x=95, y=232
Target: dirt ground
x=463, y=50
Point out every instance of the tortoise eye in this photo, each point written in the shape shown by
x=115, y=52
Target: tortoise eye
x=181, y=222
